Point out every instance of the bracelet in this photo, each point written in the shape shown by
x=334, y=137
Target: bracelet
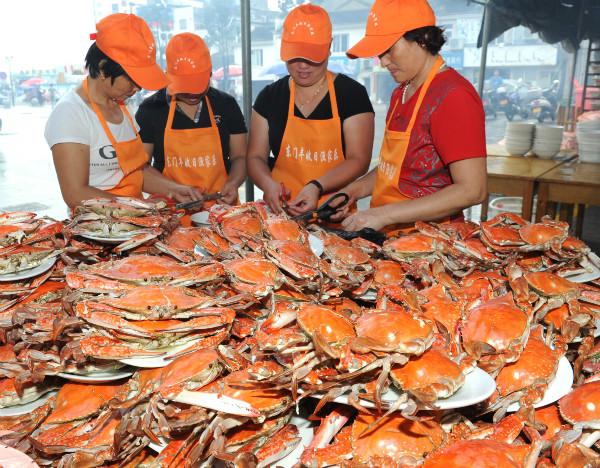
x=318, y=185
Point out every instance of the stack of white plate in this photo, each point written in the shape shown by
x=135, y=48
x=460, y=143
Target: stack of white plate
x=518, y=137
x=548, y=138
x=588, y=140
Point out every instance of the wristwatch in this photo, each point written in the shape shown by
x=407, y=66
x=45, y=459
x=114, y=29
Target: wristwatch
x=317, y=184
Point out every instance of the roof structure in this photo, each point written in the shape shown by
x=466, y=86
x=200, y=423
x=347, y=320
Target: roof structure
x=565, y=21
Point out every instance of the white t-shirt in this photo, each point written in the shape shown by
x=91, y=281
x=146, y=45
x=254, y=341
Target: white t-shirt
x=73, y=121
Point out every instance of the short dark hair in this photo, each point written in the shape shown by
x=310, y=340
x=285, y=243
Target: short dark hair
x=97, y=61
x=429, y=37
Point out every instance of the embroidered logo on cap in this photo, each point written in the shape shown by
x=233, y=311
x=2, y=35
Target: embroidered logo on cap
x=184, y=59
x=374, y=18
x=306, y=24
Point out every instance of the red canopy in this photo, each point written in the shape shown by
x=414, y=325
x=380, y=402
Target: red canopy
x=33, y=81
x=234, y=70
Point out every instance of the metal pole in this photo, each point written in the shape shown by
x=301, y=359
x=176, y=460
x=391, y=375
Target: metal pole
x=484, y=46
x=247, y=77
x=571, y=85
x=574, y=66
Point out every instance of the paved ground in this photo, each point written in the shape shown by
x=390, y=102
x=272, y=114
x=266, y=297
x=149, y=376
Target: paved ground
x=28, y=180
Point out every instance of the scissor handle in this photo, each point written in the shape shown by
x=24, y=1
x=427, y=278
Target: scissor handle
x=325, y=211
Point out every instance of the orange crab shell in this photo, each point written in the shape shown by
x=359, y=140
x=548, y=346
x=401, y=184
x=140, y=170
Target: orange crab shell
x=497, y=322
x=582, y=404
x=489, y=453
x=284, y=229
x=396, y=330
x=334, y=327
x=394, y=437
x=79, y=401
x=550, y=284
x=537, y=363
x=433, y=374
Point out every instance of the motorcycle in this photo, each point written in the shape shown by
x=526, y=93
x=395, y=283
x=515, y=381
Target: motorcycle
x=544, y=107
x=509, y=103
x=488, y=107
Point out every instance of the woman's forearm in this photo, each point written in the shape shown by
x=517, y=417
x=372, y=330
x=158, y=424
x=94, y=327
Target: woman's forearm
x=341, y=175
x=74, y=197
x=156, y=183
x=237, y=172
x=363, y=187
x=259, y=172
x=448, y=201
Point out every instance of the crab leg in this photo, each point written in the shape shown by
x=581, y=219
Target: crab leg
x=217, y=402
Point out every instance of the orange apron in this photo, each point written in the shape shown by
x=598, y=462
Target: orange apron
x=392, y=154
x=309, y=148
x=130, y=154
x=194, y=156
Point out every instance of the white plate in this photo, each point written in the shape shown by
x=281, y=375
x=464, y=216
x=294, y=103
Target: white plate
x=478, y=386
x=160, y=360
x=558, y=388
x=17, y=410
x=13, y=458
x=200, y=218
x=30, y=273
x=316, y=245
x=159, y=447
x=97, y=377
x=109, y=240
x=593, y=274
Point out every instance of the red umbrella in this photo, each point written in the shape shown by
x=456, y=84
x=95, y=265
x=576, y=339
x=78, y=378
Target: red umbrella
x=234, y=70
x=33, y=81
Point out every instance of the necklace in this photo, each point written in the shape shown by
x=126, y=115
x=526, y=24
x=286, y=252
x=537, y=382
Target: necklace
x=301, y=105
x=407, y=84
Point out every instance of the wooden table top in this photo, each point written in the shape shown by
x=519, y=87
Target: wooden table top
x=575, y=172
x=520, y=167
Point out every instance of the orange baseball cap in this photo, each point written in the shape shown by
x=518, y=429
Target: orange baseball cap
x=306, y=34
x=388, y=21
x=127, y=40
x=188, y=64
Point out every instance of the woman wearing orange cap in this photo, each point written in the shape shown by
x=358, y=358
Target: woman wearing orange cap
x=318, y=125
x=94, y=141
x=196, y=134
x=432, y=161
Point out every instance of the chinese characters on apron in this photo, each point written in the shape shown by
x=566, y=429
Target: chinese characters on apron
x=130, y=154
x=194, y=156
x=309, y=148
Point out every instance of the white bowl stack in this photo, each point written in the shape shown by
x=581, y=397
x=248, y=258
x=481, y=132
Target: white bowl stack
x=547, y=141
x=588, y=140
x=518, y=137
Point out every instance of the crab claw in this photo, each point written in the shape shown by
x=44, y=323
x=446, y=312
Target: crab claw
x=217, y=402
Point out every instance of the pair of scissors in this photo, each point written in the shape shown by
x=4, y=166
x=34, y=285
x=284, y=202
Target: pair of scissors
x=192, y=204
x=326, y=210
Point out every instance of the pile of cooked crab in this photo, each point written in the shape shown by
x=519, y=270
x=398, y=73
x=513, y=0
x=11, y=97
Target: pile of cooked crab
x=237, y=325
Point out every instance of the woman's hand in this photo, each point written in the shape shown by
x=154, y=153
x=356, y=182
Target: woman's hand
x=372, y=218
x=185, y=193
x=306, y=200
x=229, y=193
x=275, y=195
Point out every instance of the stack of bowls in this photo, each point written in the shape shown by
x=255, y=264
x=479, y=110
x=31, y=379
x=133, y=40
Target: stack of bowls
x=547, y=141
x=588, y=140
x=518, y=137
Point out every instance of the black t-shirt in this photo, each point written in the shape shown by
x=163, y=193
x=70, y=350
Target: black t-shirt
x=273, y=101
x=154, y=110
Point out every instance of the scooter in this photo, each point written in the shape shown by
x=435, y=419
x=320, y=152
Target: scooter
x=488, y=107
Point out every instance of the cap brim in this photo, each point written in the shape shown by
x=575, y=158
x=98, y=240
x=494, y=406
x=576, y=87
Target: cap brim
x=150, y=77
x=373, y=46
x=189, y=84
x=316, y=53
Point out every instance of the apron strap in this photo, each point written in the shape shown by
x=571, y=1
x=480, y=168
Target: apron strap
x=436, y=66
x=332, y=97
x=101, y=118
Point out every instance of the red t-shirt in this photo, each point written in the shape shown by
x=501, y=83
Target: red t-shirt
x=450, y=127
